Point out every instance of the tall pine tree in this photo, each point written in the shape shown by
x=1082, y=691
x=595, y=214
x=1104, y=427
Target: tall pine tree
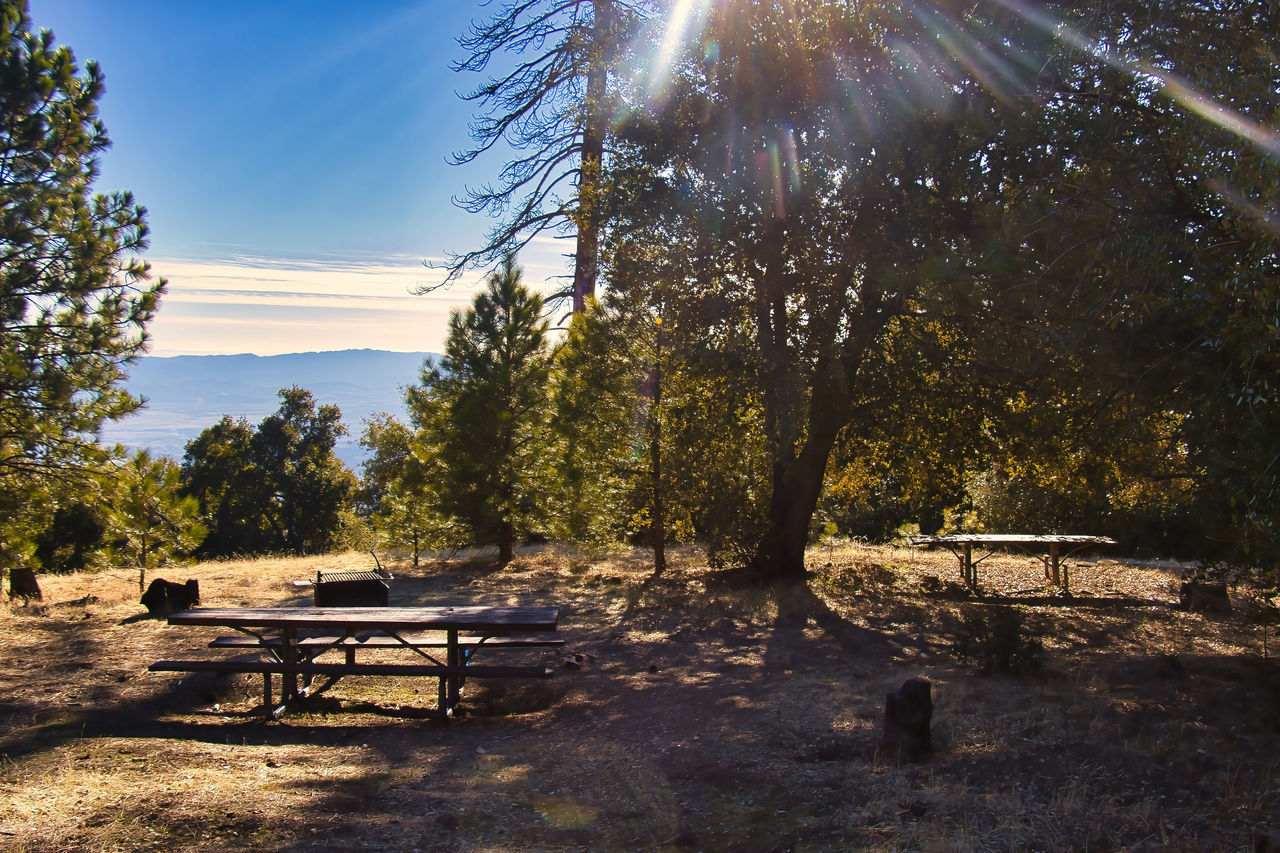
x=484, y=410
x=553, y=110
x=74, y=298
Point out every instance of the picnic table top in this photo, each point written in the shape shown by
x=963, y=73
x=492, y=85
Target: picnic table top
x=1011, y=538
x=464, y=617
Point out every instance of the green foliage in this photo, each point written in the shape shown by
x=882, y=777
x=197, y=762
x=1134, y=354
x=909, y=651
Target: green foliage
x=997, y=639
x=903, y=458
x=1141, y=217
x=1074, y=463
x=304, y=486
x=151, y=522
x=483, y=410
x=715, y=450
x=74, y=298
x=218, y=471
x=755, y=212
x=275, y=489
x=68, y=523
x=1018, y=266
x=353, y=533
x=131, y=512
x=595, y=428
x=73, y=538
x=1024, y=259
x=388, y=442
x=400, y=489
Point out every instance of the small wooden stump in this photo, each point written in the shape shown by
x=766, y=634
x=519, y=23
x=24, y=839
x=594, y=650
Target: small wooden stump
x=908, y=713
x=22, y=584
x=163, y=597
x=1266, y=842
x=1205, y=597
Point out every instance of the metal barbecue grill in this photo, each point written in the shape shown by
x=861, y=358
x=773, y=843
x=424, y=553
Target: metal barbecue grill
x=352, y=589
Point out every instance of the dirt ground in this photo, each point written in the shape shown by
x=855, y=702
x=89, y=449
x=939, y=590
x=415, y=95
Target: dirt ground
x=700, y=714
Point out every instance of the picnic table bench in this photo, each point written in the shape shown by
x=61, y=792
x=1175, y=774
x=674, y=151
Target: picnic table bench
x=962, y=545
x=309, y=647
x=275, y=634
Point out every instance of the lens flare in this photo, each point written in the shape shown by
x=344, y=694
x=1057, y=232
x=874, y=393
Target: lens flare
x=683, y=15
x=1173, y=87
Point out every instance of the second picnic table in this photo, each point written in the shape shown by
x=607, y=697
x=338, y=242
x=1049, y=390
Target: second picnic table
x=962, y=544
x=293, y=637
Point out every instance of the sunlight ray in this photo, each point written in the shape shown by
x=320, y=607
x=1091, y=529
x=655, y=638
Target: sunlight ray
x=683, y=14
x=994, y=71
x=1170, y=84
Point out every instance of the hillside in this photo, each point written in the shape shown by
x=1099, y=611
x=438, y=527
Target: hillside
x=688, y=712
x=186, y=393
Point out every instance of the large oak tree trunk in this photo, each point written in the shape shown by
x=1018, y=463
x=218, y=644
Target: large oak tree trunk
x=801, y=427
x=506, y=543
x=797, y=485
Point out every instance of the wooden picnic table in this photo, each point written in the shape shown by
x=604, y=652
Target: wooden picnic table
x=291, y=638
x=962, y=545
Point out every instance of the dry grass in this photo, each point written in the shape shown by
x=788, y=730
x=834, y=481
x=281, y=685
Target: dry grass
x=706, y=717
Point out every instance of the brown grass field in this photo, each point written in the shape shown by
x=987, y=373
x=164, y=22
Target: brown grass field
x=700, y=718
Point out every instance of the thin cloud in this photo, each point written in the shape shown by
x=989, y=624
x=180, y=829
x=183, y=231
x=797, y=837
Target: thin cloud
x=270, y=306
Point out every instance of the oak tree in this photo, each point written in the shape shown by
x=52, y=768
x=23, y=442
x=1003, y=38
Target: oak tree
x=275, y=488
x=1044, y=189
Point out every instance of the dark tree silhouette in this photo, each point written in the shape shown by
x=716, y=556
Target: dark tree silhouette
x=553, y=110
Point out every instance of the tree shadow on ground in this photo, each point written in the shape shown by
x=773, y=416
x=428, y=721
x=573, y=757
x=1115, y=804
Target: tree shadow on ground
x=146, y=718
x=1092, y=602
x=798, y=604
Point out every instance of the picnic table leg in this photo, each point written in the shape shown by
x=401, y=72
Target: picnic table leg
x=454, y=660
x=450, y=685
x=969, y=569
x=288, y=654
x=1053, y=563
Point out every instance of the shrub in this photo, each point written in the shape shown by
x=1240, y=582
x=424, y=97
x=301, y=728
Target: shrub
x=998, y=640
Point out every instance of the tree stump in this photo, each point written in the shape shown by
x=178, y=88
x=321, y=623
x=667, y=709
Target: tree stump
x=1266, y=842
x=164, y=597
x=908, y=713
x=22, y=584
x=1205, y=597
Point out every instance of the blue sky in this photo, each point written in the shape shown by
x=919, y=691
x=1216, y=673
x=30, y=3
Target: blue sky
x=292, y=158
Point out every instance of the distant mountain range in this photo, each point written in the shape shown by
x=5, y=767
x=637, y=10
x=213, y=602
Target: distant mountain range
x=187, y=393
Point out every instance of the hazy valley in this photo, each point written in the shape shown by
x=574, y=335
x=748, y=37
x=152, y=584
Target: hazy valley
x=185, y=394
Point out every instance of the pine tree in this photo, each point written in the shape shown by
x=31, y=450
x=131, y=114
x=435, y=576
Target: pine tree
x=74, y=298
x=553, y=110
x=595, y=426
x=483, y=410
x=151, y=522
